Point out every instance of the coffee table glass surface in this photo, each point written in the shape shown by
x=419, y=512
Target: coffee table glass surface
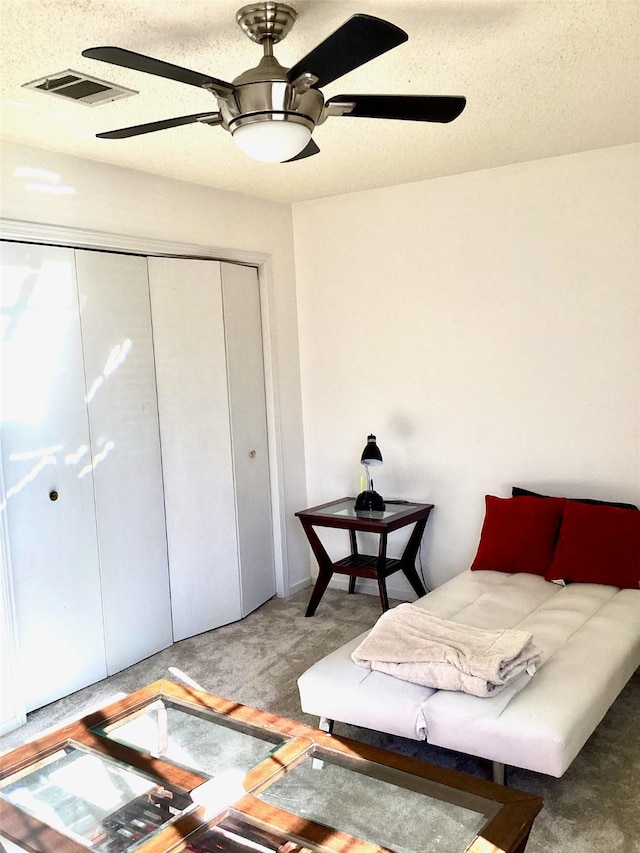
x=196, y=738
x=99, y=802
x=380, y=804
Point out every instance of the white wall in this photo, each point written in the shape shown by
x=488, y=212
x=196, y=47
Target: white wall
x=486, y=327
x=125, y=202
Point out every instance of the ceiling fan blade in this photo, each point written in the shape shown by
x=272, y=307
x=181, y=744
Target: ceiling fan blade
x=136, y=130
x=139, y=62
x=357, y=41
x=308, y=151
x=407, y=107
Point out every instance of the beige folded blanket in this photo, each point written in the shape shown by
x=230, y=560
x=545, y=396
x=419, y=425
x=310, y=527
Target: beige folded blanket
x=413, y=645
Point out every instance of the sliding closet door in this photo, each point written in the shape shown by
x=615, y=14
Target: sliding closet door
x=195, y=436
x=48, y=475
x=125, y=444
x=248, y=410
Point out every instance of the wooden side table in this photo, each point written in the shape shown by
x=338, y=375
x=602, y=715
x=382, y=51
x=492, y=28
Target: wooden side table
x=342, y=514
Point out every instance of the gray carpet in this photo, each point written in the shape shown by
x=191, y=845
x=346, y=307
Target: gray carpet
x=593, y=808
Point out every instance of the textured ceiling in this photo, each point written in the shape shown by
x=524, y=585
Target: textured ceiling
x=541, y=77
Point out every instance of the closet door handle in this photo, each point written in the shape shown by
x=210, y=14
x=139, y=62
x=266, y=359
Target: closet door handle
x=53, y=495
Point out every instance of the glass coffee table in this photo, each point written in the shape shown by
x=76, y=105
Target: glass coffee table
x=170, y=768
x=342, y=514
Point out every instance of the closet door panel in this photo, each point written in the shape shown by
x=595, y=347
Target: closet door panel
x=196, y=444
x=245, y=367
x=123, y=416
x=46, y=451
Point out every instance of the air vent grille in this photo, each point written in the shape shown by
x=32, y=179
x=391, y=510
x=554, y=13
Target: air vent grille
x=79, y=88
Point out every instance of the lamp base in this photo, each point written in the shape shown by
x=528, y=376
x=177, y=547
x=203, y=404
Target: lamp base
x=369, y=502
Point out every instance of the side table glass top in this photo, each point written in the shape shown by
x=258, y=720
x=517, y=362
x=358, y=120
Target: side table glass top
x=345, y=508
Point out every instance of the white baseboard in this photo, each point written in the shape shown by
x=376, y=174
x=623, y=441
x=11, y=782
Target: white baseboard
x=370, y=587
x=303, y=584
x=11, y=723
x=363, y=585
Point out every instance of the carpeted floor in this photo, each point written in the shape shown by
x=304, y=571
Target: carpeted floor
x=593, y=808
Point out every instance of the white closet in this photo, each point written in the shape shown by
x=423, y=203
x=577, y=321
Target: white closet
x=46, y=451
x=211, y=399
x=125, y=451
x=95, y=346
x=248, y=411
x=81, y=459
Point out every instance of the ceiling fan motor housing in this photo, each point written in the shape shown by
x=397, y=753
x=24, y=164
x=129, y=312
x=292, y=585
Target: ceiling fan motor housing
x=264, y=93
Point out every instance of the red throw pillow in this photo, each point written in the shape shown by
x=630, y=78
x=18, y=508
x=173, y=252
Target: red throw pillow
x=519, y=534
x=598, y=544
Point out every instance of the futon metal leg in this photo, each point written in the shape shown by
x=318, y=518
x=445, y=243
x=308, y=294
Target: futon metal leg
x=499, y=773
x=326, y=725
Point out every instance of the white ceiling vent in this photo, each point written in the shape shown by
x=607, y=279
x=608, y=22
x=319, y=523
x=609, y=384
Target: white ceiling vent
x=79, y=87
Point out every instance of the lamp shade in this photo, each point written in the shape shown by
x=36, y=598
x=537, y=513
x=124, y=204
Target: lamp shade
x=272, y=141
x=371, y=454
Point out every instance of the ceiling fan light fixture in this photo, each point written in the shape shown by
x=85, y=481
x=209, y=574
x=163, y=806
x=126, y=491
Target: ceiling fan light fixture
x=272, y=138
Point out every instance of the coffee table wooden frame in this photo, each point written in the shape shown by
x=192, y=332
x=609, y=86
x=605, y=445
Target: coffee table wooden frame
x=507, y=831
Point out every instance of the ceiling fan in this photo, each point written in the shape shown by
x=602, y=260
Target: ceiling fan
x=272, y=111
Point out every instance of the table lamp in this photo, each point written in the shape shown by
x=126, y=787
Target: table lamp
x=368, y=500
